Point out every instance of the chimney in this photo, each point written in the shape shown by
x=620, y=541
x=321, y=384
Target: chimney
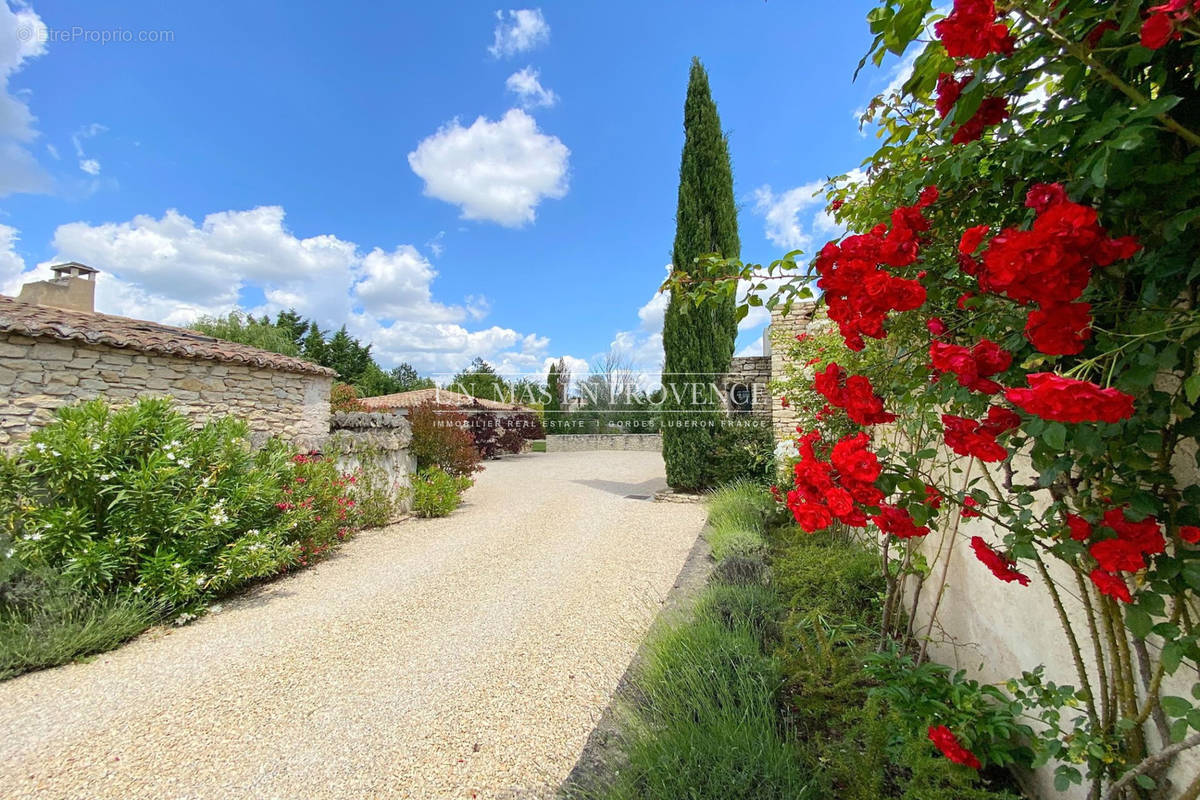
x=73, y=288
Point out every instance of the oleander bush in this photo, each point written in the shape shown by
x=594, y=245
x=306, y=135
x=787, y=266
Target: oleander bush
x=111, y=518
x=138, y=500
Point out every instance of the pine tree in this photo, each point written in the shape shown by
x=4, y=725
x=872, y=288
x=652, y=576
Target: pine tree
x=698, y=340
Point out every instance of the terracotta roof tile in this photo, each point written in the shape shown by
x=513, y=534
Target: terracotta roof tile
x=28, y=319
x=443, y=396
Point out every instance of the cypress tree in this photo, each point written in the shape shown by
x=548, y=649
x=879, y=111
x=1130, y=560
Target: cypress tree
x=552, y=409
x=698, y=341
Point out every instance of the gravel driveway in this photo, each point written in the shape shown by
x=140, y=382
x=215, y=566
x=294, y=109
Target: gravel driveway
x=463, y=657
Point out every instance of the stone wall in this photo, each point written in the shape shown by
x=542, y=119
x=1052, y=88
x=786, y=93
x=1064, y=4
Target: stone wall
x=603, y=441
x=39, y=375
x=751, y=374
x=378, y=444
x=781, y=333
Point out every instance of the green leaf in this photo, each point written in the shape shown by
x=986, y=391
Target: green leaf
x=1175, y=706
x=1055, y=435
x=1138, y=621
x=1191, y=388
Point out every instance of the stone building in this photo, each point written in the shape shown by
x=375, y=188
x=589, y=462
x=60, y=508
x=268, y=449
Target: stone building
x=56, y=350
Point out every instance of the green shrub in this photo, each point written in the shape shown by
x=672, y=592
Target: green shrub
x=739, y=452
x=820, y=571
x=437, y=493
x=137, y=501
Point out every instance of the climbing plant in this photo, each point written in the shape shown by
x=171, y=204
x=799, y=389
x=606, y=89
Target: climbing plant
x=1014, y=338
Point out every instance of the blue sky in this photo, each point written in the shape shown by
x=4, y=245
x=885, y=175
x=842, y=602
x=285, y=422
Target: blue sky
x=448, y=179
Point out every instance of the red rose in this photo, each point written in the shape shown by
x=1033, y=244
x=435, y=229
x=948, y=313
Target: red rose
x=948, y=743
x=936, y=326
x=812, y=517
x=1060, y=399
x=933, y=498
x=972, y=238
x=1117, y=555
x=1111, y=585
x=1001, y=565
x=1190, y=534
x=971, y=30
x=1157, y=31
x=948, y=90
x=1081, y=529
x=1060, y=330
x=898, y=523
x=968, y=508
x=992, y=111
x=1043, y=195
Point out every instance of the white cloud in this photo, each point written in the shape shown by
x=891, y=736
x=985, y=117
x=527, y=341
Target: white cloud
x=22, y=37
x=53, y=151
x=529, y=89
x=11, y=263
x=89, y=165
x=781, y=212
x=172, y=270
x=437, y=245
x=498, y=171
x=519, y=30
x=398, y=284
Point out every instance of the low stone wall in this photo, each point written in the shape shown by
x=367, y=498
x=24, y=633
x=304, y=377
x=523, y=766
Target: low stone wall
x=603, y=441
x=39, y=375
x=378, y=445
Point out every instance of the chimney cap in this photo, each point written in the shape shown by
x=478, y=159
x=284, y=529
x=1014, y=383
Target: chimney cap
x=73, y=269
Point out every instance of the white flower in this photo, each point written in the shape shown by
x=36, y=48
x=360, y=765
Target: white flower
x=170, y=456
x=55, y=453
x=786, y=449
x=108, y=476
x=215, y=609
x=200, y=580
x=176, y=565
x=9, y=553
x=185, y=463
x=184, y=618
x=137, y=590
x=41, y=448
x=95, y=445
x=33, y=537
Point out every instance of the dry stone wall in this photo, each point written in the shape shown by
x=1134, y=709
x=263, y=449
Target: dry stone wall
x=377, y=445
x=783, y=331
x=38, y=376
x=748, y=379
x=603, y=441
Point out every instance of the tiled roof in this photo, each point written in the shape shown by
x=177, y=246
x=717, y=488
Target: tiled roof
x=441, y=396
x=29, y=319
